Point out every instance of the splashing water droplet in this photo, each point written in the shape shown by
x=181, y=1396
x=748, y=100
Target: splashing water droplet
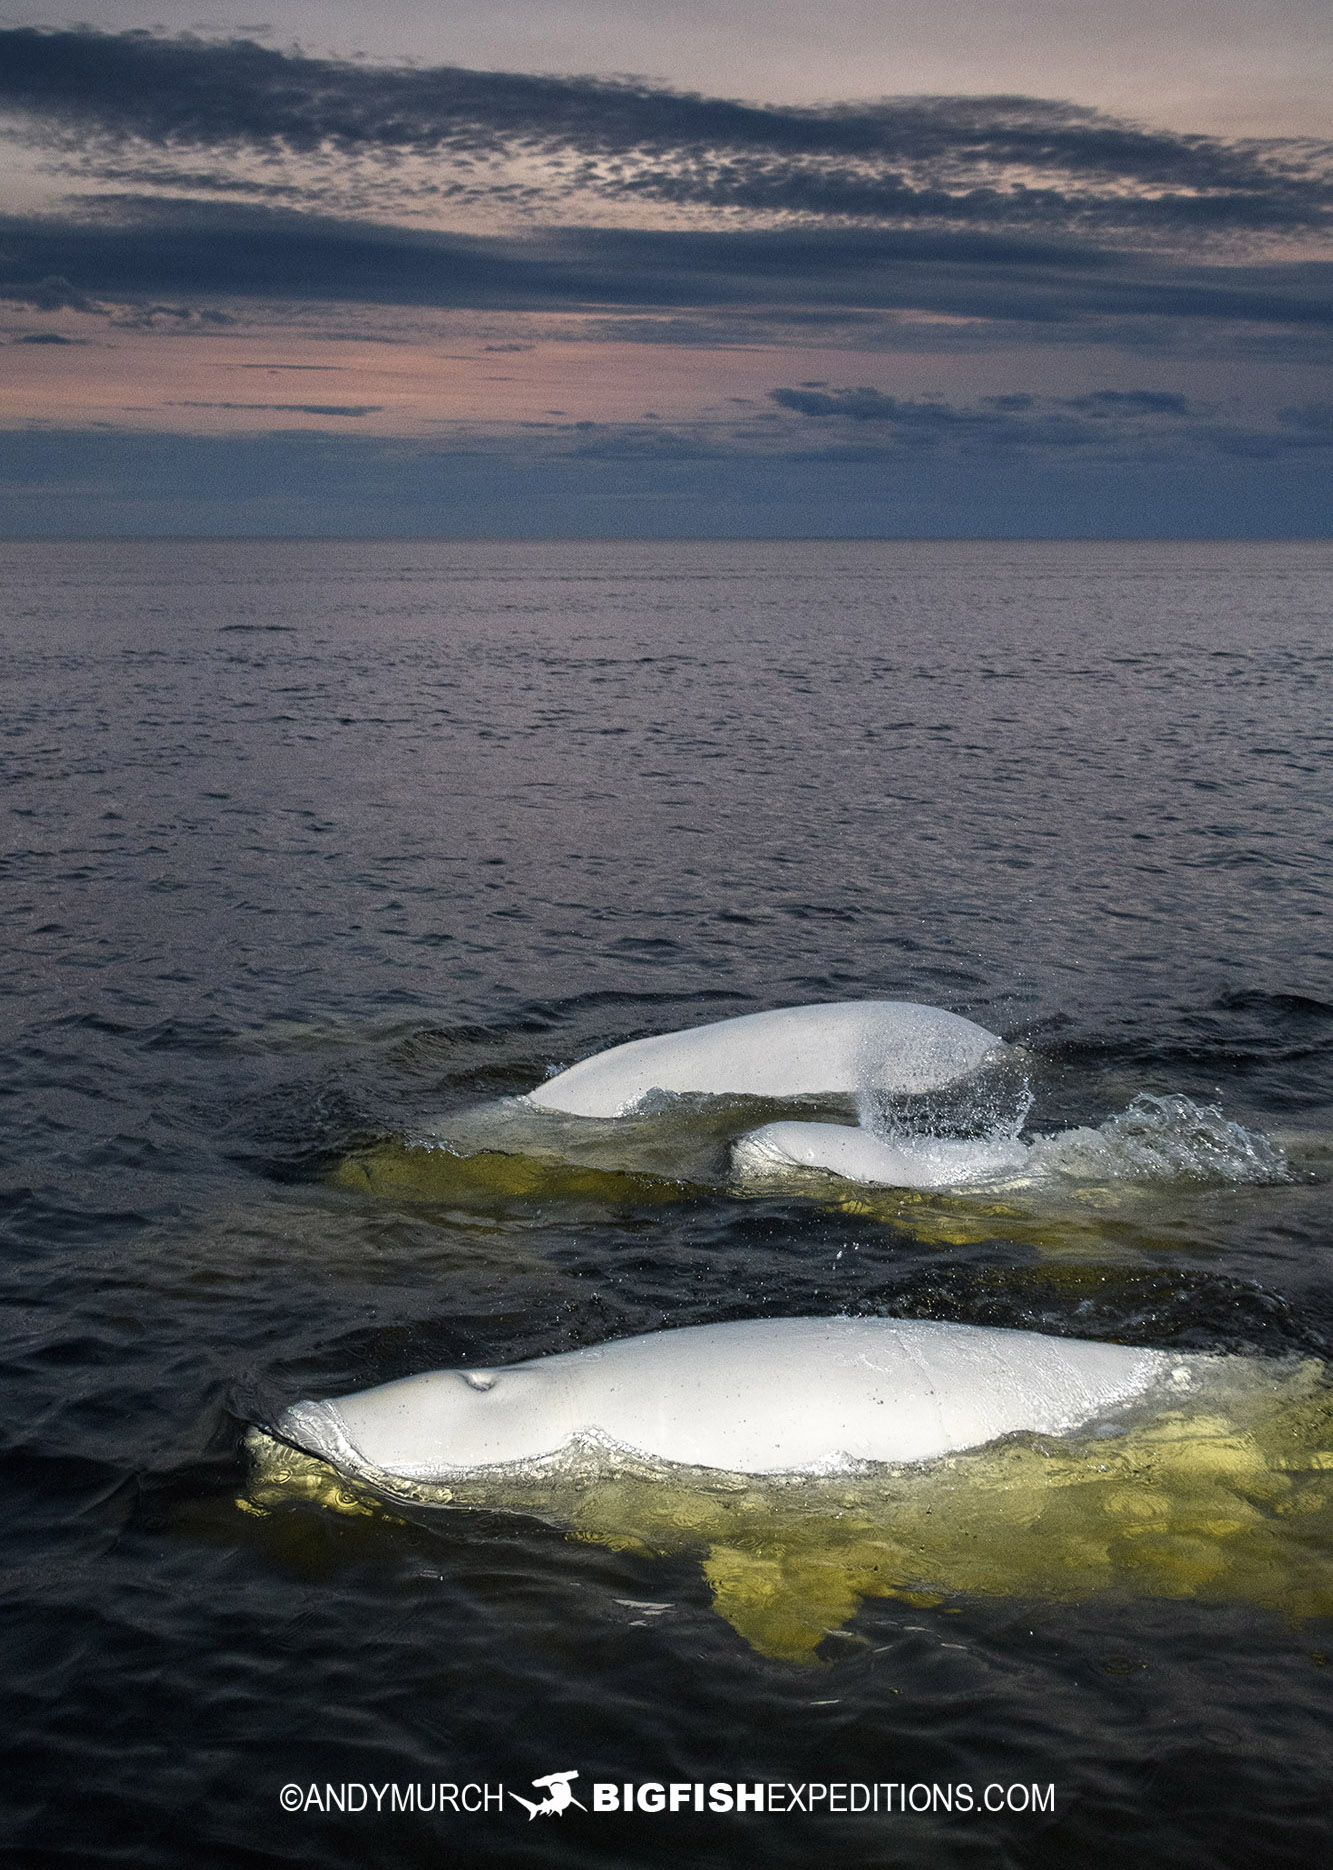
x=1162, y=1139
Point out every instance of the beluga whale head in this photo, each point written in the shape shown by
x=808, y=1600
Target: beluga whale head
x=439, y=1421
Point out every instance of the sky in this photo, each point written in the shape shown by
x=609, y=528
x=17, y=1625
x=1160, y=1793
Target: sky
x=532, y=268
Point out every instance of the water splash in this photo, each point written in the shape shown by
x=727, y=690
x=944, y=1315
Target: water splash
x=1161, y=1139
x=991, y=1106
x=1156, y=1139
x=974, y=1142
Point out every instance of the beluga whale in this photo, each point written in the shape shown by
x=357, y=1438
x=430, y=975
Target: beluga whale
x=856, y=1154
x=758, y=1396
x=643, y=1120
x=835, y=1049
x=811, y=1463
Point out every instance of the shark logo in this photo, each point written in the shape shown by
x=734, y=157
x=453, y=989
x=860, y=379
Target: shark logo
x=558, y=1798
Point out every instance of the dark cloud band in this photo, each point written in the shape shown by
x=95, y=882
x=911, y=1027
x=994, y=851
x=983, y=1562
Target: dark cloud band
x=189, y=250
x=975, y=161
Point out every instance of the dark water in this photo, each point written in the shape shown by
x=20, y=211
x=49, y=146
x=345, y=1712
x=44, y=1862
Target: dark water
x=310, y=844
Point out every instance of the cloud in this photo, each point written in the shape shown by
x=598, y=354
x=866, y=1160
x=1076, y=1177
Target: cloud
x=291, y=409
x=148, y=249
x=984, y=162
x=1131, y=402
x=928, y=422
x=1312, y=419
x=52, y=294
x=1104, y=424
x=997, y=217
x=865, y=405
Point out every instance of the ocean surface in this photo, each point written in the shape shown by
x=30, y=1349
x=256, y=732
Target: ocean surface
x=315, y=850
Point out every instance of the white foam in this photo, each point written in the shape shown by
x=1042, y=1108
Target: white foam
x=1161, y=1139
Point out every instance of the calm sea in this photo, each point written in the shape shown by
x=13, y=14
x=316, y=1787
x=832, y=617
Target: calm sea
x=310, y=845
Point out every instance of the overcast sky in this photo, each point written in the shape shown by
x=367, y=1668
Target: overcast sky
x=608, y=268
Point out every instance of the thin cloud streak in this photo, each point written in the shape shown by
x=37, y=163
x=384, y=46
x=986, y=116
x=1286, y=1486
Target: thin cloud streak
x=286, y=409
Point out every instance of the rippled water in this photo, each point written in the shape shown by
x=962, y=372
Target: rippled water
x=317, y=849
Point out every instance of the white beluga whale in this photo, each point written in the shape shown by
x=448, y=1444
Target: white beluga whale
x=1155, y=1140
x=859, y=1155
x=838, y=1048
x=1214, y=1480
x=761, y=1396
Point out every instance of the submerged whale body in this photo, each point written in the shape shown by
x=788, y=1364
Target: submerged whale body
x=763, y=1396
x=794, y=1051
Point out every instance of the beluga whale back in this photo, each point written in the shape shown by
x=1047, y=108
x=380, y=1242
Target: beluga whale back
x=838, y=1048
x=761, y=1396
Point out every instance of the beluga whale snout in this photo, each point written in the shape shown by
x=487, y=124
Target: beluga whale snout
x=760, y=1396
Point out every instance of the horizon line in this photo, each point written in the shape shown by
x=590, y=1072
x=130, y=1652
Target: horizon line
x=794, y=538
